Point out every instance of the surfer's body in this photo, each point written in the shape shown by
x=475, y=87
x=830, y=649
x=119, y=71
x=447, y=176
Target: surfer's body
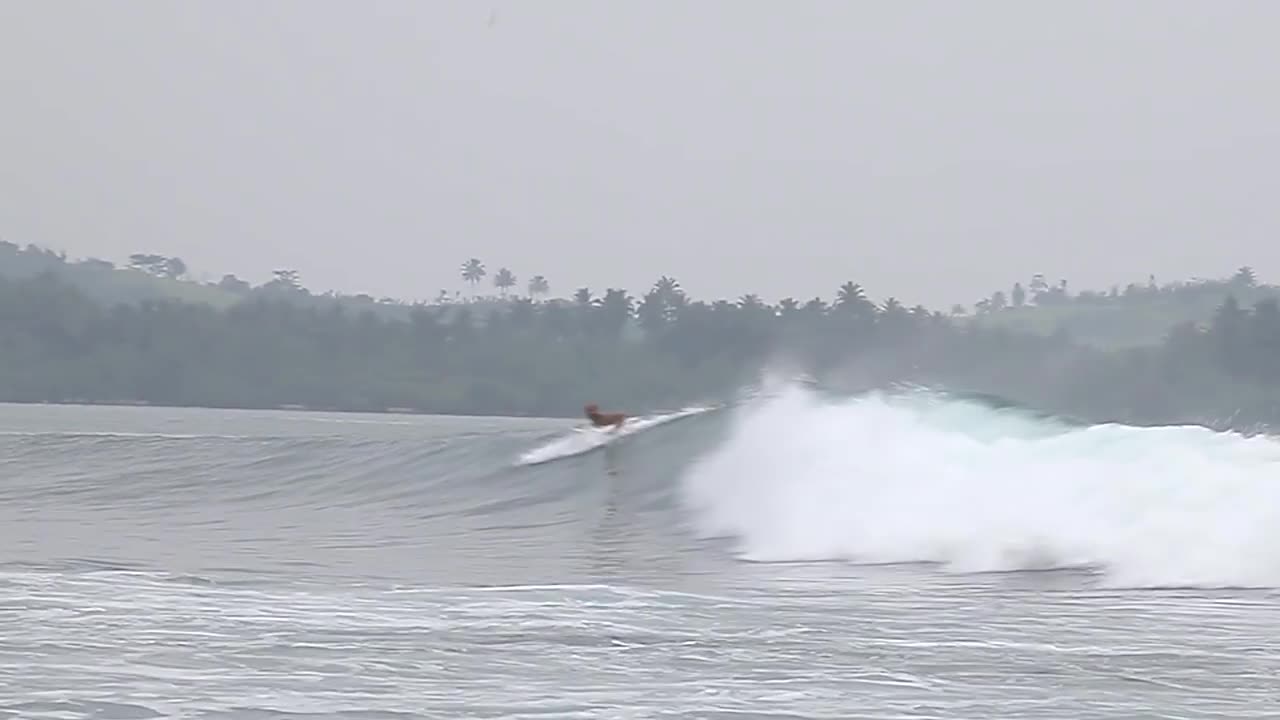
x=599, y=419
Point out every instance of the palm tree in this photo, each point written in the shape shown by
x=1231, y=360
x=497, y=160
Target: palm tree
x=1245, y=276
x=853, y=300
x=473, y=272
x=504, y=281
x=850, y=294
x=892, y=306
x=751, y=304
x=667, y=287
x=538, y=286
x=894, y=315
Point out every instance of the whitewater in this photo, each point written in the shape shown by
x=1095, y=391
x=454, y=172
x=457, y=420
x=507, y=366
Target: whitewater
x=795, y=554
x=919, y=477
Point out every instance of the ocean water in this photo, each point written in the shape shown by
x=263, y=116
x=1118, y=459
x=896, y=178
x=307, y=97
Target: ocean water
x=795, y=556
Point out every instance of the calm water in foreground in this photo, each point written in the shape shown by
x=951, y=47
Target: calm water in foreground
x=197, y=563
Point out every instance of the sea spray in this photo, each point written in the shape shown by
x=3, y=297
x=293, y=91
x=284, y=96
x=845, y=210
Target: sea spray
x=921, y=477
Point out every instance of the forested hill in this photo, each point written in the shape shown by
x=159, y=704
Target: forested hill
x=273, y=347
x=154, y=277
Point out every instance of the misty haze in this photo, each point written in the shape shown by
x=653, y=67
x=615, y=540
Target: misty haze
x=617, y=359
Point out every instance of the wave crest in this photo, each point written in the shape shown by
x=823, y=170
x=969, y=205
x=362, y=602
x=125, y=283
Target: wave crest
x=924, y=478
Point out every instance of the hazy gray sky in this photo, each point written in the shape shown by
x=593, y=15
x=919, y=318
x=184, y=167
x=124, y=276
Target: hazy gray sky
x=934, y=151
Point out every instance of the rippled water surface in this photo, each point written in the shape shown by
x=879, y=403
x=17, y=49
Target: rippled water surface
x=879, y=558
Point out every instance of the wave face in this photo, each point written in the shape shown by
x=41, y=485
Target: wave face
x=920, y=477
x=786, y=475
x=380, y=498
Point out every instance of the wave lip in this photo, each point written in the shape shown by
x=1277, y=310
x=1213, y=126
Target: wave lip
x=926, y=478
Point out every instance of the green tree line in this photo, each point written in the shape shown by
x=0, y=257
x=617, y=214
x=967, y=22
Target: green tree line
x=1132, y=316
x=662, y=349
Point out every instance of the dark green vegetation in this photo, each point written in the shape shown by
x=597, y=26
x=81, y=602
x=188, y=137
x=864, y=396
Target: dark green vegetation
x=1136, y=315
x=89, y=332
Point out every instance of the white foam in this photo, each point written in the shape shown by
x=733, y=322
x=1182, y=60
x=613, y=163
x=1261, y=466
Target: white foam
x=923, y=478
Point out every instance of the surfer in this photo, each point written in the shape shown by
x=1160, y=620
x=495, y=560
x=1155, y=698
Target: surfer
x=599, y=419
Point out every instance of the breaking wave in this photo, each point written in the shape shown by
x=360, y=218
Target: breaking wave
x=922, y=477
x=787, y=474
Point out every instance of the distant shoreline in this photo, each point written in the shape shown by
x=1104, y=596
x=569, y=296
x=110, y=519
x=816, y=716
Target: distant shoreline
x=278, y=408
